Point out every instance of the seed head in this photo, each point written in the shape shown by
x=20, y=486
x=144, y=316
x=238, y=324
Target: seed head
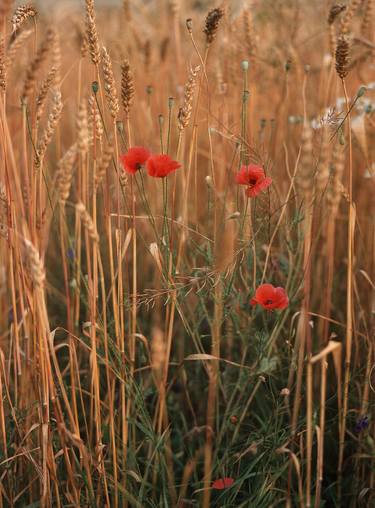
x=212, y=24
x=342, y=56
x=21, y=14
x=127, y=86
x=334, y=12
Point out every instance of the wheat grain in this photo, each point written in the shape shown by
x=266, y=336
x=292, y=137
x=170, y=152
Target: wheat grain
x=87, y=221
x=92, y=34
x=103, y=164
x=305, y=175
x=34, y=264
x=186, y=109
x=348, y=16
x=42, y=94
x=83, y=128
x=65, y=173
x=127, y=87
x=368, y=20
x=53, y=119
x=342, y=56
x=95, y=124
x=158, y=351
x=212, y=24
x=36, y=65
x=21, y=14
x=334, y=12
x=16, y=43
x=110, y=84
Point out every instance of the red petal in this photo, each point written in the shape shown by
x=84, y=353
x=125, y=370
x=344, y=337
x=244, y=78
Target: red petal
x=222, y=483
x=161, y=165
x=265, y=292
x=135, y=157
x=265, y=183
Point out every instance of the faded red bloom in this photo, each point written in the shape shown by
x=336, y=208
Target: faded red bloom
x=253, y=176
x=134, y=159
x=161, y=165
x=270, y=297
x=222, y=483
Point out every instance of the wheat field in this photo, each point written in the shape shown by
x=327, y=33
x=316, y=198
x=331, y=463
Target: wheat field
x=187, y=254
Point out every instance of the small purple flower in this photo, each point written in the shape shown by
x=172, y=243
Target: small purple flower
x=70, y=253
x=362, y=424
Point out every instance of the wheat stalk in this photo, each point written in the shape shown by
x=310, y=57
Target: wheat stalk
x=2, y=64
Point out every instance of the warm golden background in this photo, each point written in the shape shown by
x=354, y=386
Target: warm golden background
x=133, y=369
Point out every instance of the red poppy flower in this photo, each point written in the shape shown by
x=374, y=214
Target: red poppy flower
x=161, y=165
x=134, y=159
x=222, y=483
x=254, y=177
x=270, y=297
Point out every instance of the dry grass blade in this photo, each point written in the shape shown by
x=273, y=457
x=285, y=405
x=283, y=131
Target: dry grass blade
x=2, y=64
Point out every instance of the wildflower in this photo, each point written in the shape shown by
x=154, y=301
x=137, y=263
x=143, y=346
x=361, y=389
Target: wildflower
x=161, y=165
x=70, y=254
x=270, y=297
x=254, y=177
x=222, y=483
x=361, y=424
x=134, y=159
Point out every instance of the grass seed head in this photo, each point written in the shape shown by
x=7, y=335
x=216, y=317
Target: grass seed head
x=335, y=11
x=127, y=86
x=342, y=56
x=212, y=24
x=21, y=14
